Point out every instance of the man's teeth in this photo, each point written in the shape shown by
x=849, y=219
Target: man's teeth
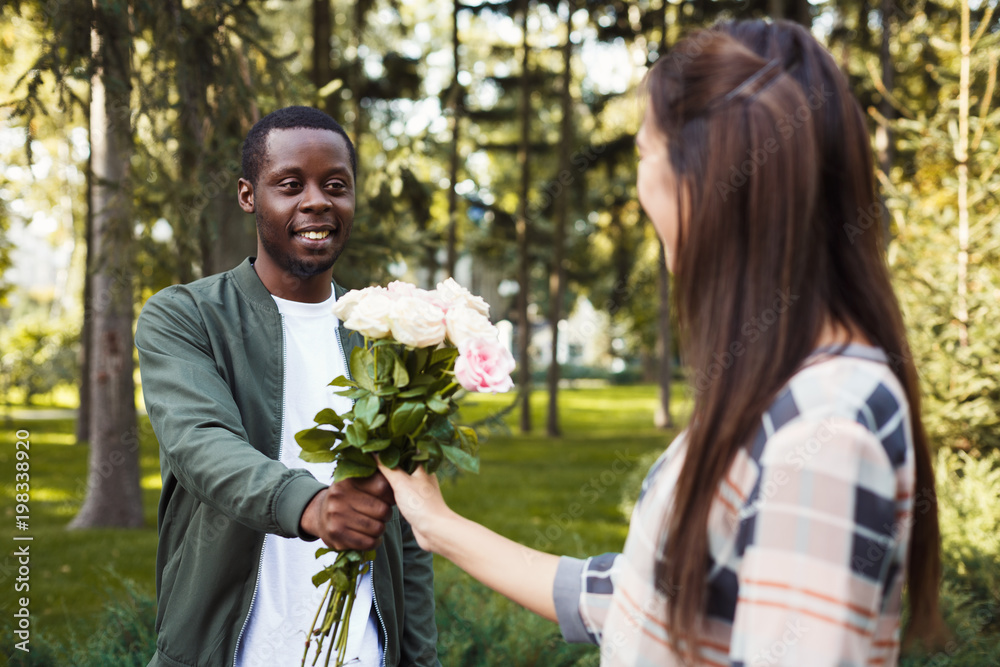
x=316, y=236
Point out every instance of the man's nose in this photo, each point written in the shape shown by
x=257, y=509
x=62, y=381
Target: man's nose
x=314, y=199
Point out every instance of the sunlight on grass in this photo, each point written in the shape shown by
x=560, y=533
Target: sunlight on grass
x=153, y=481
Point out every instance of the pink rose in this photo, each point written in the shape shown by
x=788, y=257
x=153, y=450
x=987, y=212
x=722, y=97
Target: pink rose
x=484, y=365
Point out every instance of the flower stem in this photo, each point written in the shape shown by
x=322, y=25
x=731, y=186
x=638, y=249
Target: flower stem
x=312, y=628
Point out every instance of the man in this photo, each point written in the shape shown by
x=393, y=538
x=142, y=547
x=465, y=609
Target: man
x=232, y=367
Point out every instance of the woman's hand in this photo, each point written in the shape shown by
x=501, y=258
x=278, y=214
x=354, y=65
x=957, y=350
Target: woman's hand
x=419, y=500
x=524, y=575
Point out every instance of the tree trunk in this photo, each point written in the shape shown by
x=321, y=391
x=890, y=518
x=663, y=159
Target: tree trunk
x=86, y=334
x=883, y=133
x=358, y=73
x=557, y=275
x=962, y=157
x=663, y=418
x=664, y=371
x=321, y=71
x=455, y=106
x=113, y=494
x=194, y=236
x=523, y=271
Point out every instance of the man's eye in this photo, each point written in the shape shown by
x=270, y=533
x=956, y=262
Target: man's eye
x=289, y=184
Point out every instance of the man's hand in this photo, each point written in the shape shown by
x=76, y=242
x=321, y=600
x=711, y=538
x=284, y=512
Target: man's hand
x=350, y=514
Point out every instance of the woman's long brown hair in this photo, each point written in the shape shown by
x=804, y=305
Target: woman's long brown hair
x=772, y=154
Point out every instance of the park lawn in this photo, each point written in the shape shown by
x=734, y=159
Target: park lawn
x=74, y=573
x=559, y=495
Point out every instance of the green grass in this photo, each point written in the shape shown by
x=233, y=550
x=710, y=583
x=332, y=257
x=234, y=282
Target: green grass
x=560, y=495
x=74, y=573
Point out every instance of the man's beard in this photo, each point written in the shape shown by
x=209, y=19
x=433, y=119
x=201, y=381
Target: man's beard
x=300, y=268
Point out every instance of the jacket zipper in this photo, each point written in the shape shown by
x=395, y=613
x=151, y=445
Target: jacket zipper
x=385, y=632
x=281, y=428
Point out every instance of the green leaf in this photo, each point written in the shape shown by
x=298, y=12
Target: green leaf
x=389, y=456
x=433, y=448
x=423, y=380
x=366, y=408
x=421, y=455
x=321, y=577
x=342, y=582
x=407, y=418
x=348, y=469
x=373, y=446
x=385, y=390
x=322, y=551
x=329, y=416
x=356, y=433
x=318, y=457
x=468, y=438
x=360, y=365
x=442, y=429
x=415, y=392
x=400, y=377
x=316, y=439
x=444, y=354
x=462, y=460
x=343, y=381
x=386, y=360
x=435, y=404
x=380, y=419
x=418, y=360
x=354, y=394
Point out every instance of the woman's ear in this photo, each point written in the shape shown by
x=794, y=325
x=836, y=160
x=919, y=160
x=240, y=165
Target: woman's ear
x=244, y=194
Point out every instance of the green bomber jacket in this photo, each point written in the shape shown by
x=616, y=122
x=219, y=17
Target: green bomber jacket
x=212, y=368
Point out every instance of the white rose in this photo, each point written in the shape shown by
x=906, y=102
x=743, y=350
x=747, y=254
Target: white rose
x=370, y=316
x=416, y=322
x=465, y=324
x=345, y=305
x=453, y=294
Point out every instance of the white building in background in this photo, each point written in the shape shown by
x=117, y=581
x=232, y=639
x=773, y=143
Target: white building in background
x=584, y=339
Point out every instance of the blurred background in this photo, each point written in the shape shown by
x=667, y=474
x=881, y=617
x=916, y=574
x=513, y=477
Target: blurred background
x=496, y=145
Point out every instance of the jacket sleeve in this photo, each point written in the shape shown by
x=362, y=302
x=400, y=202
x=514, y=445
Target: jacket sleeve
x=419, y=640
x=197, y=421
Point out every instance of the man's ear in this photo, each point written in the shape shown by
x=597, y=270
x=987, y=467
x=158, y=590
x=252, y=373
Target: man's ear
x=244, y=193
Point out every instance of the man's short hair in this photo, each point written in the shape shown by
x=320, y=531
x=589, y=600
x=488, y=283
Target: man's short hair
x=289, y=118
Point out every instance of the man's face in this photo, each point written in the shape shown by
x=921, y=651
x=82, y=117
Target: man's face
x=303, y=201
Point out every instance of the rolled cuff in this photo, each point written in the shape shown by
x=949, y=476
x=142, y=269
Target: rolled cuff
x=566, y=596
x=292, y=500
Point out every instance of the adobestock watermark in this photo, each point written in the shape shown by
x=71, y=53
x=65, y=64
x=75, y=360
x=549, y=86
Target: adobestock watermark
x=865, y=220
x=581, y=160
x=739, y=175
x=797, y=459
x=589, y=493
x=776, y=652
x=751, y=330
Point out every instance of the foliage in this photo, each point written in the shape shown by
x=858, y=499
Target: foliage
x=403, y=404
x=476, y=628
x=962, y=397
x=38, y=354
x=127, y=636
x=969, y=513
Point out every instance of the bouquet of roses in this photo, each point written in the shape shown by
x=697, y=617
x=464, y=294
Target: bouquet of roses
x=421, y=346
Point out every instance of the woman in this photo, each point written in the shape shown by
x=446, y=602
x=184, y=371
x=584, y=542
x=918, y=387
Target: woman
x=779, y=527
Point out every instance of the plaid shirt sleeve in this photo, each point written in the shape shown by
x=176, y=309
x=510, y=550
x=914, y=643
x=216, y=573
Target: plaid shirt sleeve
x=583, y=593
x=820, y=544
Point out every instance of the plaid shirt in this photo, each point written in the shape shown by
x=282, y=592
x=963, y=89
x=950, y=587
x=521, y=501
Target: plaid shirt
x=808, y=536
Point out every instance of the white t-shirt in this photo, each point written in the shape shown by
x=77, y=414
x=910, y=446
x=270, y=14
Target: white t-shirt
x=286, y=600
